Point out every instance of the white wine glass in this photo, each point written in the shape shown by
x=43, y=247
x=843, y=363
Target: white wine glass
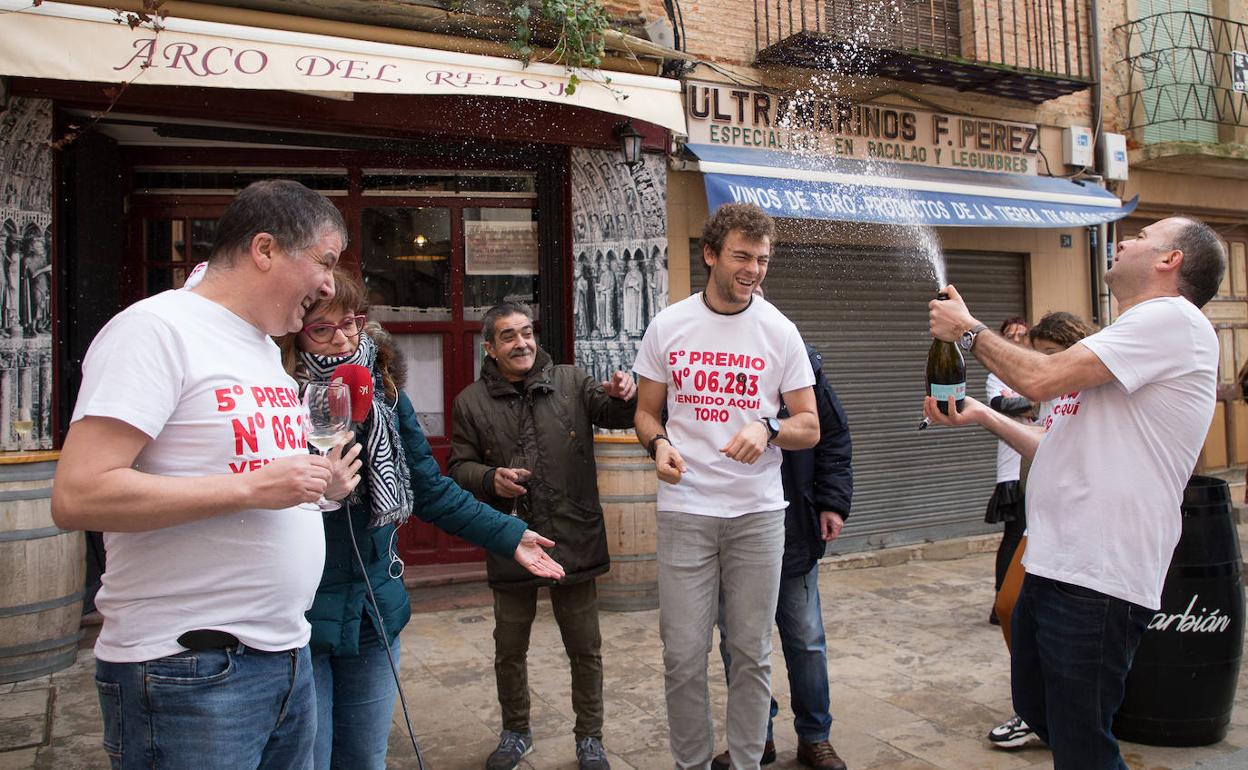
x=327, y=415
x=23, y=426
x=522, y=460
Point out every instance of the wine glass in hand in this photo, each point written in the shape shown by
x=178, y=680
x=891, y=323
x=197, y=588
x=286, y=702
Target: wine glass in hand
x=327, y=415
x=522, y=462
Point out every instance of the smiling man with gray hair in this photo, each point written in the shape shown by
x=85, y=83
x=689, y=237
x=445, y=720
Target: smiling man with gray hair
x=522, y=439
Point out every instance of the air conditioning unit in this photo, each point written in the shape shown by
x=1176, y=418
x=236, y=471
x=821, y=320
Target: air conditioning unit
x=1114, y=157
x=1077, y=147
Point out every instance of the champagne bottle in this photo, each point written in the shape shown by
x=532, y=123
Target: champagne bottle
x=946, y=372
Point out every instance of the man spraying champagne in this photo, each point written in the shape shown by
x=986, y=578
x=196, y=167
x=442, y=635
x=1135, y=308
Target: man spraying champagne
x=1134, y=402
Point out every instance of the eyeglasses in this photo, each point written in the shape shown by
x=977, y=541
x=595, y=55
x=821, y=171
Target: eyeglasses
x=351, y=326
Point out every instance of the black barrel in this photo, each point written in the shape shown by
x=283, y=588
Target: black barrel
x=1182, y=684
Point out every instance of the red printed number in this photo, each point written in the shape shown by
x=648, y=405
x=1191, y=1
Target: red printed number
x=729, y=383
x=284, y=432
x=224, y=402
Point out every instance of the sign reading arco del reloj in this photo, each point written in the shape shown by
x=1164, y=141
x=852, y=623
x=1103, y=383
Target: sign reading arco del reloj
x=805, y=121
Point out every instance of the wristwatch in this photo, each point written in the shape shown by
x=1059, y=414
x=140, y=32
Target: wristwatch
x=773, y=427
x=967, y=340
x=652, y=447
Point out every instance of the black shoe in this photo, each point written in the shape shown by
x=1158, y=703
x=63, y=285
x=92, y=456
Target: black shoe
x=512, y=746
x=590, y=755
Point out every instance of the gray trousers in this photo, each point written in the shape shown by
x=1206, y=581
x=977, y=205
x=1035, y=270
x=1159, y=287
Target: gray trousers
x=696, y=555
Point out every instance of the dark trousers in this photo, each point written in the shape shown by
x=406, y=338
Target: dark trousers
x=1072, y=649
x=1012, y=536
x=576, y=612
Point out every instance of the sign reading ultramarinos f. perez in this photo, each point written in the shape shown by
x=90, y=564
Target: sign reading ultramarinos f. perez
x=804, y=121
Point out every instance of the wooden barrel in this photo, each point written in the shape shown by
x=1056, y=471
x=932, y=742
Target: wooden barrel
x=42, y=570
x=627, y=487
x=1182, y=685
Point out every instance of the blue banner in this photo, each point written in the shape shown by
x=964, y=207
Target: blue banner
x=800, y=199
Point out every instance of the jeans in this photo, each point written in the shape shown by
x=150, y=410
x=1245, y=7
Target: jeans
x=354, y=702
x=1072, y=649
x=228, y=709
x=800, y=620
x=697, y=555
x=576, y=612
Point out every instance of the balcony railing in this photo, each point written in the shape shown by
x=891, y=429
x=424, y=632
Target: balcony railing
x=1024, y=49
x=1178, y=73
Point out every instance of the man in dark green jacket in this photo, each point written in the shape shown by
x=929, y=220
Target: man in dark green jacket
x=522, y=440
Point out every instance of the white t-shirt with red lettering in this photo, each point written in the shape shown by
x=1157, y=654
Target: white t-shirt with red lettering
x=209, y=389
x=722, y=372
x=1107, y=481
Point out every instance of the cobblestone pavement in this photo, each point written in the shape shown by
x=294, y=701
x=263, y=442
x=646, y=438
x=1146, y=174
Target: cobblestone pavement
x=918, y=678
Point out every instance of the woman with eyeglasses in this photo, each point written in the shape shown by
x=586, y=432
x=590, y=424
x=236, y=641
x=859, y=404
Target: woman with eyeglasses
x=355, y=686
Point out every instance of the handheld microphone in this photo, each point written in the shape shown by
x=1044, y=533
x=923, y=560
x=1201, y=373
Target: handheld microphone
x=359, y=381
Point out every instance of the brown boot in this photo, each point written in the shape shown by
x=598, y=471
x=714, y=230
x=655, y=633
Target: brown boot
x=724, y=762
x=819, y=755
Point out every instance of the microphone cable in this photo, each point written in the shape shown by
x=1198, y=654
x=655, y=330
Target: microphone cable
x=394, y=669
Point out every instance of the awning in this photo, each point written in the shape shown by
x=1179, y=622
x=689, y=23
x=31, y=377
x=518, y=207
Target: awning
x=61, y=41
x=787, y=184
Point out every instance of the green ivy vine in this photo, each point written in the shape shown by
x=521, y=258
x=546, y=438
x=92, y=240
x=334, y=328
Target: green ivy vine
x=580, y=24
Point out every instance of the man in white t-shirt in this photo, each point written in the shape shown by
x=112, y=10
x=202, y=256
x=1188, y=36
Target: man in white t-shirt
x=719, y=362
x=187, y=450
x=1133, y=405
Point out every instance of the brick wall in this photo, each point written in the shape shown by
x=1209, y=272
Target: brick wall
x=724, y=32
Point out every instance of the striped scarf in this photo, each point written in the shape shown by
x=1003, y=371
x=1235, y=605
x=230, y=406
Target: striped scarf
x=388, y=479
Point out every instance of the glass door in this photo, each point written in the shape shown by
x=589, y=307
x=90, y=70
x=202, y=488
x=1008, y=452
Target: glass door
x=432, y=268
x=172, y=247
x=436, y=249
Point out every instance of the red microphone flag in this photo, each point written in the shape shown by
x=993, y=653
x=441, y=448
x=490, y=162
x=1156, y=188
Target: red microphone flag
x=360, y=382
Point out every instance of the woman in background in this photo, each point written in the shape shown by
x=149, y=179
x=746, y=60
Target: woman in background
x=1052, y=334
x=354, y=641
x=1006, y=504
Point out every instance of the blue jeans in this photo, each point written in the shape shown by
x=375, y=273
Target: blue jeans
x=235, y=709
x=800, y=620
x=1072, y=649
x=354, y=702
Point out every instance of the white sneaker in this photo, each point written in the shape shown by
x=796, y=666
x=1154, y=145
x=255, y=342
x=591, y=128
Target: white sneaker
x=1013, y=733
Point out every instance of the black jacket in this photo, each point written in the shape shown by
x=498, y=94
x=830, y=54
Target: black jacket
x=816, y=479
x=553, y=420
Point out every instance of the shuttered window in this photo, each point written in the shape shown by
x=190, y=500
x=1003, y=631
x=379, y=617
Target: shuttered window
x=926, y=25
x=1177, y=78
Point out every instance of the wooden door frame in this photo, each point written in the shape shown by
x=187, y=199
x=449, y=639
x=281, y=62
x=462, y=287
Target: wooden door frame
x=550, y=165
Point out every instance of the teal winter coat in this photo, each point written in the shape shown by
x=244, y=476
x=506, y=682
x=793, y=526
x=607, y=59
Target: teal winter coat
x=341, y=599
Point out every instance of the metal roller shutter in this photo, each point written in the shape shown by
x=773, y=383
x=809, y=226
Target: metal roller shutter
x=866, y=312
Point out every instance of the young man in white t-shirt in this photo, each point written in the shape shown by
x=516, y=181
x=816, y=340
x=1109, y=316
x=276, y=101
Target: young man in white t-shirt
x=187, y=450
x=719, y=362
x=1134, y=402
